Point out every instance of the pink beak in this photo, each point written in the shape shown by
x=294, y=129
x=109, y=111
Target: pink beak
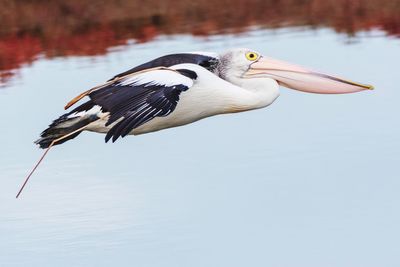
x=302, y=79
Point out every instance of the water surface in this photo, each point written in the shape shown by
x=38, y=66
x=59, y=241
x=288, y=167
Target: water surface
x=312, y=180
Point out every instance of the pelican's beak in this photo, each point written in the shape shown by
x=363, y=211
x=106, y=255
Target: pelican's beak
x=302, y=79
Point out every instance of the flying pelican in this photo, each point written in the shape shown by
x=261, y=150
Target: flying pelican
x=179, y=89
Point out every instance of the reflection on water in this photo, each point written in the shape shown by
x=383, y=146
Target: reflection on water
x=310, y=181
x=63, y=28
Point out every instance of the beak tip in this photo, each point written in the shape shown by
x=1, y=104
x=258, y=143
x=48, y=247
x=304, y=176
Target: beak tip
x=369, y=87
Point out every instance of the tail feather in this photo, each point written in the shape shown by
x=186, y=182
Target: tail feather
x=67, y=124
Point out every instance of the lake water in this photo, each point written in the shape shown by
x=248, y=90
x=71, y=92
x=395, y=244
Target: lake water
x=312, y=180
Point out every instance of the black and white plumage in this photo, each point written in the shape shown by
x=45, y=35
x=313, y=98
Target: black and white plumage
x=178, y=89
x=131, y=98
x=133, y=101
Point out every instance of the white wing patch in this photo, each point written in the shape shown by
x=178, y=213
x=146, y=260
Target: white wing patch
x=95, y=110
x=157, y=77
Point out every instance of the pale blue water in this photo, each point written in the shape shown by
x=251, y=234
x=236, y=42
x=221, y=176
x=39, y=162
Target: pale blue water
x=313, y=180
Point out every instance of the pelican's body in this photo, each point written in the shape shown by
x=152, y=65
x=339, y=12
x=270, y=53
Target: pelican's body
x=178, y=89
x=203, y=100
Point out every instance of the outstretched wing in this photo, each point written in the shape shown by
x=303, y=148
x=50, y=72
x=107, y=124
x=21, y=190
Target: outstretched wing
x=137, y=98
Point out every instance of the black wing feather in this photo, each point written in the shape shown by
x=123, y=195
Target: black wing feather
x=130, y=106
x=207, y=62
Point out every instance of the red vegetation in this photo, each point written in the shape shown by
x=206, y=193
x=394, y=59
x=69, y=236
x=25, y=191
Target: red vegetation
x=88, y=27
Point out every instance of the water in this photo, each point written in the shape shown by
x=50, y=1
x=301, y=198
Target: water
x=312, y=180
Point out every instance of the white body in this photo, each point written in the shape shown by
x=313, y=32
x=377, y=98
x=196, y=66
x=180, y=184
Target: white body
x=209, y=96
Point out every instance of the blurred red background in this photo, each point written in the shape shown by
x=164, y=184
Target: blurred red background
x=88, y=27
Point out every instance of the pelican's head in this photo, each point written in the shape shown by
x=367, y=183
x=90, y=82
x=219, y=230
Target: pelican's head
x=240, y=64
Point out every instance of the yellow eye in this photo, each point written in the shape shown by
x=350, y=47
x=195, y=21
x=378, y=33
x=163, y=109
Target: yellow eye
x=251, y=56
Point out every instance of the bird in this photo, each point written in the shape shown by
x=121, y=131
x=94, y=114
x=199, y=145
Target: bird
x=181, y=88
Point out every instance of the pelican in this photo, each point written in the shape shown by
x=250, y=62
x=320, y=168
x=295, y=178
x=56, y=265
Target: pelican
x=179, y=89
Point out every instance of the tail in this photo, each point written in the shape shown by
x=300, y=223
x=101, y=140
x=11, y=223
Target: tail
x=67, y=124
x=65, y=128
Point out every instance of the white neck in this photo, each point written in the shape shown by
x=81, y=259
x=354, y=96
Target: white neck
x=255, y=93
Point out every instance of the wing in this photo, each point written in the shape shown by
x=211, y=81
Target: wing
x=206, y=60
x=137, y=98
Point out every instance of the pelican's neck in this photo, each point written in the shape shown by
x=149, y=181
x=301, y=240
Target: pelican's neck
x=256, y=92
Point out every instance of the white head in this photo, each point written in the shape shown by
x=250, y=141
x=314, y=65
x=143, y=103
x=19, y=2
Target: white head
x=234, y=64
x=239, y=66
